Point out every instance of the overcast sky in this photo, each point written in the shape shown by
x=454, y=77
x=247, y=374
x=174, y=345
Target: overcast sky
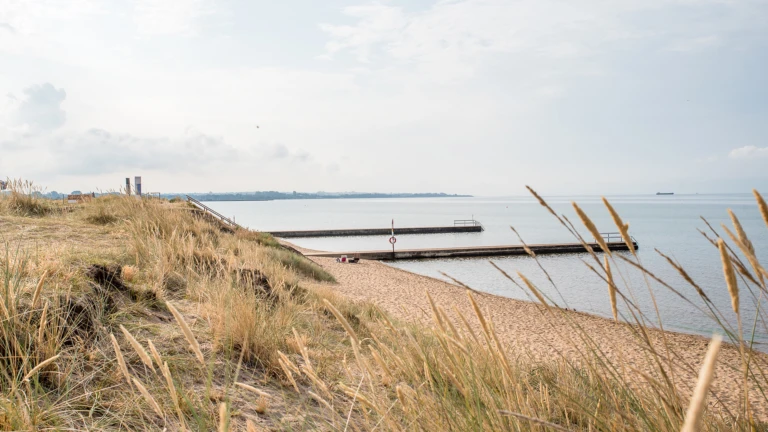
x=464, y=96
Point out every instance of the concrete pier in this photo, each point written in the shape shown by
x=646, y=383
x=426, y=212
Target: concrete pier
x=378, y=231
x=477, y=251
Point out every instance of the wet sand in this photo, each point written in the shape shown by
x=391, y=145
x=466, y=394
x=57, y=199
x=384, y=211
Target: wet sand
x=531, y=330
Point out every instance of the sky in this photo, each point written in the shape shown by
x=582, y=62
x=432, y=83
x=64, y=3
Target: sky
x=476, y=97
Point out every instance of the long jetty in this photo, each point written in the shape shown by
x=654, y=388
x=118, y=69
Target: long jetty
x=475, y=251
x=459, y=226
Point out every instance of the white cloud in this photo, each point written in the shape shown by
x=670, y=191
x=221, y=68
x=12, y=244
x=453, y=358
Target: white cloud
x=40, y=110
x=98, y=151
x=748, y=152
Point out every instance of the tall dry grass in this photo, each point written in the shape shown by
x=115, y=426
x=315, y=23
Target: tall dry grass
x=25, y=199
x=239, y=342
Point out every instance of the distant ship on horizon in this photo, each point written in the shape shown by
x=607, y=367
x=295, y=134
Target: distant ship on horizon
x=665, y=193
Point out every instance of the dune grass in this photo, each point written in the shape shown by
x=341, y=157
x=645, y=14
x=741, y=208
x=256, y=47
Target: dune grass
x=183, y=326
x=24, y=200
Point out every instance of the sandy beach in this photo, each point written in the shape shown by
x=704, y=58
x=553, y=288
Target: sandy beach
x=529, y=329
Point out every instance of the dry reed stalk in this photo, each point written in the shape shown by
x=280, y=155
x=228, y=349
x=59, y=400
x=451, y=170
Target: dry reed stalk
x=448, y=322
x=740, y=231
x=364, y=366
x=748, y=250
x=623, y=228
x=120, y=359
x=435, y=314
x=138, y=348
x=172, y=390
x=155, y=353
x=534, y=290
x=500, y=353
x=284, y=366
x=698, y=400
x=402, y=397
x=341, y=319
x=42, y=364
x=466, y=323
x=685, y=275
x=730, y=275
x=288, y=361
x=388, y=351
x=223, y=417
x=148, y=397
x=428, y=376
x=762, y=205
x=380, y=361
x=38, y=289
x=43, y=323
x=611, y=288
x=252, y=389
x=480, y=317
x=187, y=333
x=591, y=227
x=356, y=395
x=319, y=399
x=6, y=314
x=302, y=349
x=541, y=201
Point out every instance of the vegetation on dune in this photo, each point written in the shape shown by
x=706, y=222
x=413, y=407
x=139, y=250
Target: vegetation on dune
x=23, y=200
x=155, y=318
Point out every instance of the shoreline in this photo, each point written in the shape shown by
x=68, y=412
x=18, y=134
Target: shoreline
x=529, y=330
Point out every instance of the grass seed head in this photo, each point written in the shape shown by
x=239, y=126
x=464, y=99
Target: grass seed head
x=622, y=227
x=138, y=348
x=761, y=205
x=148, y=397
x=698, y=401
x=591, y=227
x=120, y=359
x=611, y=288
x=730, y=275
x=534, y=290
x=187, y=333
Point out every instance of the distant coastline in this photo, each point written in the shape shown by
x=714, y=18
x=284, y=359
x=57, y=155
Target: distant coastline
x=272, y=196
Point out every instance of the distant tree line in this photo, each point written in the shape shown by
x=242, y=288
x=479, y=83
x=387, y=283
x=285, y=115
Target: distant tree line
x=269, y=195
x=274, y=195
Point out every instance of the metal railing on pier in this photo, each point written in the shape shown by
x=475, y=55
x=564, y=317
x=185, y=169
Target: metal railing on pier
x=466, y=222
x=227, y=221
x=615, y=237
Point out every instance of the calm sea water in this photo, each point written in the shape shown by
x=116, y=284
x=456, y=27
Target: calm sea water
x=667, y=223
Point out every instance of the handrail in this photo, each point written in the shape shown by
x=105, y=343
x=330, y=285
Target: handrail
x=205, y=208
x=614, y=237
x=466, y=222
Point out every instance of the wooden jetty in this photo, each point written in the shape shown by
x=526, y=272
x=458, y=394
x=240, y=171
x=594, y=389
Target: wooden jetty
x=475, y=251
x=459, y=226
